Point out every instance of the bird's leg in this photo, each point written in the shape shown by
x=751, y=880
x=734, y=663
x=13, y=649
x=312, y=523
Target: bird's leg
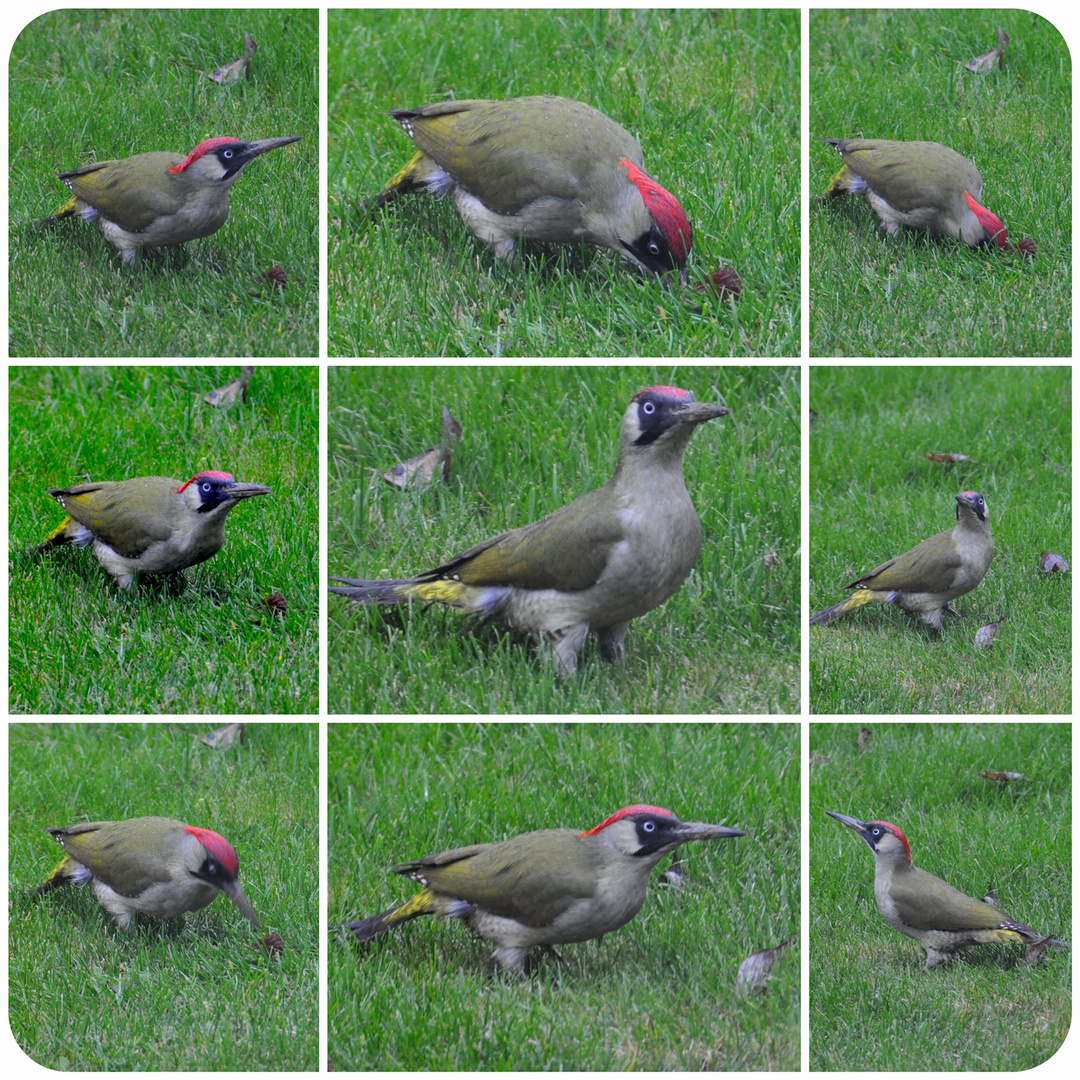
x=611, y=641
x=568, y=644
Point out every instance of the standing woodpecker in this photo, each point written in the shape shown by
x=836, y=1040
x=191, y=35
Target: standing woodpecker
x=154, y=865
x=160, y=198
x=922, y=185
x=543, y=168
x=152, y=523
x=942, y=919
x=594, y=564
x=925, y=579
x=548, y=887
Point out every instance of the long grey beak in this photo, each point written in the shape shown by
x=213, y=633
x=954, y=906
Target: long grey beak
x=247, y=491
x=235, y=893
x=697, y=412
x=261, y=147
x=698, y=830
x=850, y=822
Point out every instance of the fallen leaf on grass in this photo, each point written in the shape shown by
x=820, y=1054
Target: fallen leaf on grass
x=1052, y=563
x=239, y=68
x=227, y=394
x=422, y=468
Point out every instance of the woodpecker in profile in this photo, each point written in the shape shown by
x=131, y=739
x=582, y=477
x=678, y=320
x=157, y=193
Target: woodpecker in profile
x=550, y=887
x=152, y=524
x=543, y=168
x=161, y=198
x=921, y=185
x=942, y=919
x=153, y=865
x=925, y=579
x=594, y=564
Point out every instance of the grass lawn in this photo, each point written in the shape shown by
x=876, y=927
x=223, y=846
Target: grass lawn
x=875, y=495
x=873, y=1005
x=899, y=74
x=94, y=85
x=77, y=645
x=534, y=439
x=713, y=97
x=186, y=994
x=658, y=993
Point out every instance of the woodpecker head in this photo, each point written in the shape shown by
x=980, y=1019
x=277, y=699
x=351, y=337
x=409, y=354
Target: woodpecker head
x=222, y=160
x=209, y=857
x=885, y=841
x=666, y=241
x=207, y=492
x=995, y=231
x=663, y=416
x=971, y=507
x=650, y=832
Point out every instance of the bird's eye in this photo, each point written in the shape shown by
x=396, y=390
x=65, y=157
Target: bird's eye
x=227, y=155
x=648, y=408
x=207, y=486
x=654, y=248
x=648, y=826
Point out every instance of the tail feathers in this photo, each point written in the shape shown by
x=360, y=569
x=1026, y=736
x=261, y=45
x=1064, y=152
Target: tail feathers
x=369, y=929
x=420, y=174
x=441, y=591
x=425, y=902
x=1012, y=931
x=859, y=598
x=69, y=531
x=67, y=872
x=73, y=206
x=844, y=182
x=373, y=592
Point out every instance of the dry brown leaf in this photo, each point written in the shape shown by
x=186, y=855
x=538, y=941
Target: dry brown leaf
x=754, y=971
x=1037, y=950
x=950, y=458
x=273, y=944
x=277, y=604
x=224, y=737
x=1052, y=563
x=239, y=68
x=422, y=468
x=984, y=636
x=676, y=876
x=227, y=394
x=724, y=282
x=994, y=58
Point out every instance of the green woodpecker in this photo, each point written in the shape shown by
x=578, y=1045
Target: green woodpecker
x=154, y=865
x=932, y=573
x=543, y=168
x=594, y=564
x=153, y=524
x=160, y=198
x=923, y=185
x=544, y=888
x=942, y=919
